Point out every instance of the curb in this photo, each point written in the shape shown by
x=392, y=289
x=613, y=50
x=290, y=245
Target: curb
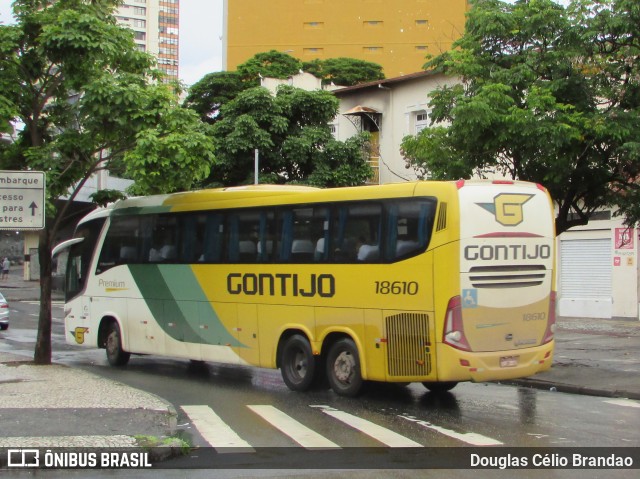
x=571, y=388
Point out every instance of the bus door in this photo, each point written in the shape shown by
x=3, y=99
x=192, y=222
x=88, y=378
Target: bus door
x=77, y=289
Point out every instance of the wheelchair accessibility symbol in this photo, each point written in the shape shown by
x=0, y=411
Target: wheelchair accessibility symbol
x=469, y=298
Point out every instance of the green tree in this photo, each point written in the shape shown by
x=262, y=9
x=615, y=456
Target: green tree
x=344, y=71
x=272, y=64
x=291, y=132
x=89, y=101
x=210, y=93
x=547, y=94
x=207, y=96
x=343, y=163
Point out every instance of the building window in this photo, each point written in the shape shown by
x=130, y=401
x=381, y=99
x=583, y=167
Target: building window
x=313, y=51
x=139, y=11
x=422, y=121
x=333, y=128
x=140, y=23
x=373, y=23
x=421, y=23
x=142, y=36
x=313, y=25
x=372, y=49
x=168, y=20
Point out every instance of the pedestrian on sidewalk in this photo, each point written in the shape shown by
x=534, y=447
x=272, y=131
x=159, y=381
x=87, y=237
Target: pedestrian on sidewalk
x=5, y=268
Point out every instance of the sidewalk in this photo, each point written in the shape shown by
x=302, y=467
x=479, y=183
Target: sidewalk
x=69, y=406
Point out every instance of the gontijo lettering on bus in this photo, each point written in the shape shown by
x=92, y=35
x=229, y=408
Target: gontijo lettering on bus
x=282, y=284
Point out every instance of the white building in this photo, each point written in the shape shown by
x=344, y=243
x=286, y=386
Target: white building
x=155, y=24
x=390, y=110
x=597, y=264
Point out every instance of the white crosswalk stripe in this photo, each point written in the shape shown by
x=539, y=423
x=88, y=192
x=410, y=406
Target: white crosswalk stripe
x=215, y=431
x=292, y=428
x=379, y=433
x=223, y=438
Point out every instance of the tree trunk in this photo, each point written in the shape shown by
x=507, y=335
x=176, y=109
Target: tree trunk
x=42, y=353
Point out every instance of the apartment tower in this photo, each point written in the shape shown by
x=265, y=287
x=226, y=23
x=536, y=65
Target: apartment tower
x=156, y=29
x=397, y=34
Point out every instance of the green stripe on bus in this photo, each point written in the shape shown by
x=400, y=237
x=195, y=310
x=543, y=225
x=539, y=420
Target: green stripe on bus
x=192, y=318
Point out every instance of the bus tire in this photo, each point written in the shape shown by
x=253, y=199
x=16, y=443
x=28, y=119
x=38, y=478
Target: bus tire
x=113, y=345
x=343, y=368
x=297, y=363
x=441, y=387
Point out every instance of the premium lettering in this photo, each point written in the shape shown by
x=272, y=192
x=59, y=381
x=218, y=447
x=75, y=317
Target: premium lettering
x=507, y=252
x=289, y=284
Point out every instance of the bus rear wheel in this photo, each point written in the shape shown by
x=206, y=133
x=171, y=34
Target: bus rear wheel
x=343, y=368
x=113, y=345
x=297, y=363
x=441, y=387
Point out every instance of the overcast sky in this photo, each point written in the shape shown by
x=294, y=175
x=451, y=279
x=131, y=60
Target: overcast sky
x=200, y=37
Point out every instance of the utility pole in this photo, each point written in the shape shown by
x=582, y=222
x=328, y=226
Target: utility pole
x=256, y=164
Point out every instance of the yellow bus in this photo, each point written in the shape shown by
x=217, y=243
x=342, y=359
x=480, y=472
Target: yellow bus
x=431, y=282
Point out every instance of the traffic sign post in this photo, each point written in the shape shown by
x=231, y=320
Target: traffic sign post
x=22, y=200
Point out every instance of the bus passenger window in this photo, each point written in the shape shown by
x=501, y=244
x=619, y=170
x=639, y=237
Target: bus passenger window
x=250, y=236
x=302, y=229
x=164, y=239
x=409, y=231
x=213, y=237
x=356, y=233
x=121, y=244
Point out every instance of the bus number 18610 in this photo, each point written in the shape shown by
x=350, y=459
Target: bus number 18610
x=397, y=287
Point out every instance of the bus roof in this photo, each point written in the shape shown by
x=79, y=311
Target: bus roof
x=263, y=195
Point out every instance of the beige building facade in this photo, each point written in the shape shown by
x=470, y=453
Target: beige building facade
x=396, y=34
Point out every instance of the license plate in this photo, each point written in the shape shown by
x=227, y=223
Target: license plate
x=508, y=361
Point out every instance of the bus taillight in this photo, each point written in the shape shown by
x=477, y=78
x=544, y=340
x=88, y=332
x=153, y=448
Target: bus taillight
x=551, y=323
x=453, y=328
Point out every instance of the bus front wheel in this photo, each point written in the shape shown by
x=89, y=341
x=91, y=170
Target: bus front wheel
x=113, y=345
x=297, y=364
x=343, y=368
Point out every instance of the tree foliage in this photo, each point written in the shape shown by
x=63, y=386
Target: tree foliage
x=547, y=94
x=291, y=132
x=207, y=96
x=273, y=64
x=344, y=71
x=89, y=100
x=210, y=93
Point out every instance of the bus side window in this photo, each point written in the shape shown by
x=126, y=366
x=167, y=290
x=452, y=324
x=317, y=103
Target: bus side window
x=121, y=244
x=213, y=237
x=357, y=232
x=250, y=236
x=164, y=245
x=409, y=227
x=300, y=230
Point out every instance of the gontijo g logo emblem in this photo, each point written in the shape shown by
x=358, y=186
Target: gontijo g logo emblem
x=507, y=208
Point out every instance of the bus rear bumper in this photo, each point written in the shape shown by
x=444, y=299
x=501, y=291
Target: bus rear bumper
x=456, y=365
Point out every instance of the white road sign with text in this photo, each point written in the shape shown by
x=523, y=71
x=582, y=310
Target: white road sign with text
x=22, y=200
